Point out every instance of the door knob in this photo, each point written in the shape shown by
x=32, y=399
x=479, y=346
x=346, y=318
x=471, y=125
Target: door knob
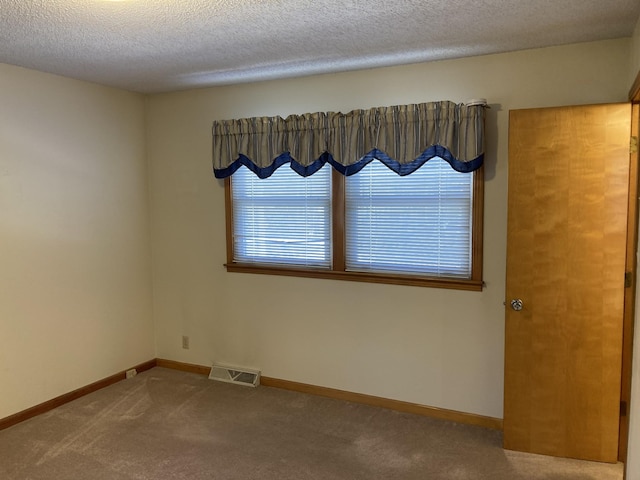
x=516, y=304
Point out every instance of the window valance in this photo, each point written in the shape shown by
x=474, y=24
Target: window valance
x=402, y=137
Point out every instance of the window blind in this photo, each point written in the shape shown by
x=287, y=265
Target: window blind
x=415, y=224
x=284, y=219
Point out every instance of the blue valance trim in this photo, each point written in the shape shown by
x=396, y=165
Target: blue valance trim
x=435, y=151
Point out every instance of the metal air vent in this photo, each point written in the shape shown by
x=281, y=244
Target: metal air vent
x=237, y=375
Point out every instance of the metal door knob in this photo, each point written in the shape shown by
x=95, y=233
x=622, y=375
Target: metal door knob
x=516, y=304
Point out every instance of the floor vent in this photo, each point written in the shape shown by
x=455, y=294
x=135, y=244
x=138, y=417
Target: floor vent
x=239, y=376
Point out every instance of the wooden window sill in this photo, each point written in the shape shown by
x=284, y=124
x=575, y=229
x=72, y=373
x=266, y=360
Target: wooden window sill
x=387, y=278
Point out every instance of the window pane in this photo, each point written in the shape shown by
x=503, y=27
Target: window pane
x=417, y=224
x=284, y=219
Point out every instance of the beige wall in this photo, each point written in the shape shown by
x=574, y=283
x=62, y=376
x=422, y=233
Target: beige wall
x=435, y=347
x=75, y=296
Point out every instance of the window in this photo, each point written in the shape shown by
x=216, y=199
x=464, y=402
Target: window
x=418, y=224
x=375, y=226
x=282, y=220
x=369, y=195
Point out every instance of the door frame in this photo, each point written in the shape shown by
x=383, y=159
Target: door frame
x=631, y=266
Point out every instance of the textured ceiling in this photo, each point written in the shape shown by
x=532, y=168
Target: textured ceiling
x=164, y=45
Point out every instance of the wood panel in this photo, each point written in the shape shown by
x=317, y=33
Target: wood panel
x=567, y=236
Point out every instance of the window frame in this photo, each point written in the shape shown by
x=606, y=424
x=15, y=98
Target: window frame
x=338, y=268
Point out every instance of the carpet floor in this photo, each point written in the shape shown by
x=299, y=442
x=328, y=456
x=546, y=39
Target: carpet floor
x=165, y=424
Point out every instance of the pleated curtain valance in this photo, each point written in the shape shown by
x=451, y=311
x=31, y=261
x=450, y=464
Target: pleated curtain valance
x=402, y=137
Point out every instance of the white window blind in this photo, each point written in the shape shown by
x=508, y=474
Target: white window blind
x=417, y=224
x=284, y=219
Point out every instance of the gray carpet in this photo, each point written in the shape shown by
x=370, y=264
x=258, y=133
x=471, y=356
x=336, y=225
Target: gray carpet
x=165, y=424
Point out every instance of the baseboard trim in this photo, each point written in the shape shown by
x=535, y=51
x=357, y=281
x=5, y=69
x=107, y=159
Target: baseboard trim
x=397, y=405
x=69, y=397
x=183, y=367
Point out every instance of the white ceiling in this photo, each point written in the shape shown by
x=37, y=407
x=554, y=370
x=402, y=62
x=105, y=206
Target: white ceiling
x=164, y=45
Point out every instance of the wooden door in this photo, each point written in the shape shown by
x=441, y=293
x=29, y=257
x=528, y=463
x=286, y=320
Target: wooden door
x=566, y=250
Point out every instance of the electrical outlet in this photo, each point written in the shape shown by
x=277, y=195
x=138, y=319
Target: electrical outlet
x=185, y=342
x=131, y=373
